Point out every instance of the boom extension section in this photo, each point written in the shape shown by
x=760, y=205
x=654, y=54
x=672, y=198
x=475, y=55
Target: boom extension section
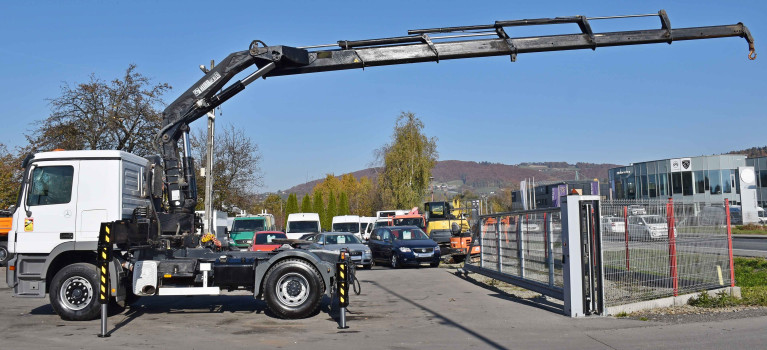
x=418, y=46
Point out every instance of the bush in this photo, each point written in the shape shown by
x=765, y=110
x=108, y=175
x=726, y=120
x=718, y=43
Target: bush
x=722, y=299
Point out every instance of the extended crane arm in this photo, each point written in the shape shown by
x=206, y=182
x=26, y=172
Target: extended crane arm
x=418, y=46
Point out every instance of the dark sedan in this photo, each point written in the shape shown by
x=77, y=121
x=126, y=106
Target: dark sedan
x=403, y=245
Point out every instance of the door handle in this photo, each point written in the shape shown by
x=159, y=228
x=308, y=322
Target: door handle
x=66, y=235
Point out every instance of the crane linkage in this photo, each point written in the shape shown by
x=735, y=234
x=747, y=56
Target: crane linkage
x=420, y=45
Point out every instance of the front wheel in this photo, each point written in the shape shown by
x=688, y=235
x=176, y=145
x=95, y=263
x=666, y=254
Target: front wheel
x=73, y=292
x=394, y=261
x=4, y=255
x=293, y=289
x=434, y=264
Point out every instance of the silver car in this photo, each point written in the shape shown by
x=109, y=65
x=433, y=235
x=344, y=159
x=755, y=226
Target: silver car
x=335, y=241
x=648, y=227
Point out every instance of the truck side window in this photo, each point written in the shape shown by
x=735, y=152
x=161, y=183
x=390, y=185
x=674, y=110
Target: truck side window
x=50, y=185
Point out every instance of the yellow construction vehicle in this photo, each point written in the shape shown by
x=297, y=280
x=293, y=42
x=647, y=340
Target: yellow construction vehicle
x=446, y=224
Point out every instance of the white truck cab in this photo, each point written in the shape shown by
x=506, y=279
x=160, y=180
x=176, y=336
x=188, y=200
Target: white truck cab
x=299, y=224
x=66, y=197
x=347, y=223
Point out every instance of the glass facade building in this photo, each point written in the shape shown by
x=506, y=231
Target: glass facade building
x=710, y=179
x=760, y=170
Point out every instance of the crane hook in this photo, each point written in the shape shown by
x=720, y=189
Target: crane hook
x=752, y=54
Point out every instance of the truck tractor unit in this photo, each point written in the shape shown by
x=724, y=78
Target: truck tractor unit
x=134, y=216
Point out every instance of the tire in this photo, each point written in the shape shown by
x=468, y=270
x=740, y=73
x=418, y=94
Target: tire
x=293, y=289
x=73, y=292
x=394, y=262
x=367, y=266
x=4, y=254
x=434, y=264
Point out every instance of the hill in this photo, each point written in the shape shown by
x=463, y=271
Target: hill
x=458, y=175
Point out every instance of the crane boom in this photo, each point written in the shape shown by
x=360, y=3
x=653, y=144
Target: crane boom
x=418, y=46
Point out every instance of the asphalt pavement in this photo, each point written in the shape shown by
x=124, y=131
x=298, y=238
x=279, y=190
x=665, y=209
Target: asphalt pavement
x=413, y=308
x=749, y=245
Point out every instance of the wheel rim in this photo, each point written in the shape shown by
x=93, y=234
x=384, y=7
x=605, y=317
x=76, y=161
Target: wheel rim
x=292, y=289
x=3, y=253
x=76, y=293
x=393, y=260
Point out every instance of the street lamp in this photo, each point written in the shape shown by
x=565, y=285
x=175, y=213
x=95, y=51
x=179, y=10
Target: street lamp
x=431, y=181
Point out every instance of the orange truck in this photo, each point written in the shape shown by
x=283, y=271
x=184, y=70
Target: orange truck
x=5, y=226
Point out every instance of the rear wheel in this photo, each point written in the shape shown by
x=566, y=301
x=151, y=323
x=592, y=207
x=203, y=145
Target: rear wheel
x=73, y=292
x=293, y=289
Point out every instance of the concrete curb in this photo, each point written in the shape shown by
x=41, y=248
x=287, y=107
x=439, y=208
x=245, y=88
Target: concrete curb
x=667, y=302
x=750, y=236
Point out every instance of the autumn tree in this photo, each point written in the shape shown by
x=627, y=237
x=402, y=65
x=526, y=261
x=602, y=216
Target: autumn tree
x=122, y=114
x=10, y=177
x=359, y=193
x=306, y=204
x=274, y=205
x=407, y=163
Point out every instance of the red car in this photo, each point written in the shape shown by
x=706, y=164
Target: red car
x=262, y=241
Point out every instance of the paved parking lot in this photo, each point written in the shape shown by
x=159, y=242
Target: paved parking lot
x=414, y=308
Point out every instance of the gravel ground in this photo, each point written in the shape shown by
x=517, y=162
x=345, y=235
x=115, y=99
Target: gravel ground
x=692, y=314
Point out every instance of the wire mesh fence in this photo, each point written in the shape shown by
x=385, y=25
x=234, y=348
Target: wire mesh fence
x=524, y=245
x=656, y=249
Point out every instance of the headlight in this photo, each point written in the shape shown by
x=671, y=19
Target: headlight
x=436, y=249
x=248, y=241
x=367, y=252
x=404, y=249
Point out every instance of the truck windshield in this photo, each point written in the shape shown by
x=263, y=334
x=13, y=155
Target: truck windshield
x=304, y=226
x=351, y=227
x=248, y=225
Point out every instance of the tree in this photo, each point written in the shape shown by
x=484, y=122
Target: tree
x=10, y=177
x=343, y=204
x=123, y=114
x=274, y=205
x=236, y=168
x=306, y=204
x=319, y=206
x=291, y=206
x=331, y=212
x=407, y=163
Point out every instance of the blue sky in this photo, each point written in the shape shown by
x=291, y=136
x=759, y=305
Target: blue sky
x=617, y=105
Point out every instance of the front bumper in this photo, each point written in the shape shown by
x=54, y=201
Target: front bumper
x=411, y=258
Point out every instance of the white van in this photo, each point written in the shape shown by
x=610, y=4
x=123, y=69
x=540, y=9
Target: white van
x=299, y=224
x=347, y=223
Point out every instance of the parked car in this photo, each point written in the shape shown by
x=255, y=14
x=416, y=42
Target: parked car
x=403, y=245
x=613, y=225
x=648, y=227
x=359, y=253
x=262, y=241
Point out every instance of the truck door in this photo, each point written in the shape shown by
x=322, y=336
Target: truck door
x=51, y=199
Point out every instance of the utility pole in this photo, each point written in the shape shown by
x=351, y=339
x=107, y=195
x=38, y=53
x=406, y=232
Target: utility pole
x=209, y=166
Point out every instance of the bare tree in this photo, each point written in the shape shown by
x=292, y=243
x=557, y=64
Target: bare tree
x=123, y=114
x=236, y=169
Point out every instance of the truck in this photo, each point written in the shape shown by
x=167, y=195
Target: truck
x=243, y=229
x=97, y=226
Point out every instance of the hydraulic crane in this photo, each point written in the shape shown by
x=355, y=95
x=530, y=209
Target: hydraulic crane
x=420, y=45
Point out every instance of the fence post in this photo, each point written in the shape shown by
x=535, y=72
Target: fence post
x=729, y=241
x=498, y=242
x=626, y=231
x=521, y=246
x=672, y=245
x=549, y=248
x=481, y=237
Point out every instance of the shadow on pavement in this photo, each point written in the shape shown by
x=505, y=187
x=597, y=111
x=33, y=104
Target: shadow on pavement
x=444, y=319
x=539, y=302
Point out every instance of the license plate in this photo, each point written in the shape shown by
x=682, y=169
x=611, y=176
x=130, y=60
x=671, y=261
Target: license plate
x=424, y=255
x=243, y=249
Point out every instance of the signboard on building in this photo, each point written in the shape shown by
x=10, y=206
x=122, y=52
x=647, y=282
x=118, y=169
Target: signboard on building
x=686, y=164
x=676, y=165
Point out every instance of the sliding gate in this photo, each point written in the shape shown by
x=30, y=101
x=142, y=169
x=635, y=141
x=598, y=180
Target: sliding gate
x=555, y=252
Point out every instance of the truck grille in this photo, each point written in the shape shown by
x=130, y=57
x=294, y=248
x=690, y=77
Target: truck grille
x=242, y=241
